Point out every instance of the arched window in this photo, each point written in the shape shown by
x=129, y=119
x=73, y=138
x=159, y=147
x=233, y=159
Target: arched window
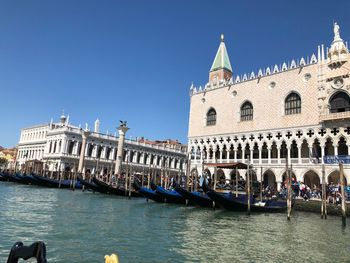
x=292, y=104
x=247, y=111
x=211, y=117
x=339, y=102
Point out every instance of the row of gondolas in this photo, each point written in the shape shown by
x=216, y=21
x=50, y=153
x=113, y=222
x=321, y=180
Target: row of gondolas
x=177, y=195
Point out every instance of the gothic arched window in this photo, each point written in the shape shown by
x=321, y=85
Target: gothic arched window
x=339, y=102
x=292, y=104
x=247, y=111
x=211, y=117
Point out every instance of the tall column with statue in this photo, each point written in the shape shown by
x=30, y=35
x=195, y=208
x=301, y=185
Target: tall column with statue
x=85, y=134
x=122, y=129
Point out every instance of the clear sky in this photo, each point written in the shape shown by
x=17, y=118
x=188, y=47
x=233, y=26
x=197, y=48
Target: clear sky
x=135, y=60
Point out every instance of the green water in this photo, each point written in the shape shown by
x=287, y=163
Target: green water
x=83, y=227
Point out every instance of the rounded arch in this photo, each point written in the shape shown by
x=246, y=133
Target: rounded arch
x=253, y=175
x=339, y=102
x=269, y=179
x=284, y=176
x=233, y=175
x=220, y=175
x=292, y=103
x=246, y=110
x=211, y=116
x=312, y=179
x=334, y=178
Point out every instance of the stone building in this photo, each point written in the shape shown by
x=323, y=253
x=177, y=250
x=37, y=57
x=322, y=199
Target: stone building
x=299, y=110
x=58, y=146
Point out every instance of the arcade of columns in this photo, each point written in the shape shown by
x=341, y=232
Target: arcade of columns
x=135, y=154
x=270, y=149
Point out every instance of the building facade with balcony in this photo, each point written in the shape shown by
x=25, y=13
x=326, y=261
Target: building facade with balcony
x=58, y=146
x=297, y=111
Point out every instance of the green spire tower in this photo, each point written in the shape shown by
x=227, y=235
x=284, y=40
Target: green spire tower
x=221, y=68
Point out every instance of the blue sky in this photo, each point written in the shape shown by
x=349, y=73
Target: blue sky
x=135, y=60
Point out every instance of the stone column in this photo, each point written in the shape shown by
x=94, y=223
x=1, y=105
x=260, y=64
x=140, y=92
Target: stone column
x=335, y=149
x=84, y=135
x=64, y=145
x=269, y=149
x=260, y=154
x=122, y=129
x=228, y=156
x=299, y=153
x=251, y=155
x=220, y=150
x=322, y=152
x=310, y=154
x=278, y=154
x=235, y=154
x=243, y=155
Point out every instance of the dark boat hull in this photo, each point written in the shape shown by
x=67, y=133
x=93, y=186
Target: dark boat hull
x=87, y=184
x=170, y=196
x=232, y=203
x=200, y=199
x=149, y=193
x=43, y=181
x=11, y=178
x=105, y=188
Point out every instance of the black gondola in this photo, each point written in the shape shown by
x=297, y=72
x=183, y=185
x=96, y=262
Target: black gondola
x=44, y=181
x=232, y=203
x=105, y=188
x=88, y=185
x=11, y=178
x=171, y=196
x=198, y=198
x=149, y=193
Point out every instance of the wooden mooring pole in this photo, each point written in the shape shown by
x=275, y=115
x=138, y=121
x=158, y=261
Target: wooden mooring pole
x=196, y=181
x=248, y=189
x=149, y=177
x=342, y=189
x=289, y=190
x=261, y=183
x=188, y=171
x=215, y=175
x=126, y=175
x=236, y=182
x=324, y=194
x=130, y=179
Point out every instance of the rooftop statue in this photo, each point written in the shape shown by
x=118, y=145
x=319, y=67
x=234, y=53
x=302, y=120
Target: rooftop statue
x=336, y=31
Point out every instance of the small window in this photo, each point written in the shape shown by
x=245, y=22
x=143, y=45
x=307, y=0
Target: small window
x=211, y=117
x=292, y=104
x=247, y=111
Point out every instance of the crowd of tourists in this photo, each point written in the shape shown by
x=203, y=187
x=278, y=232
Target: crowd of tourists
x=306, y=192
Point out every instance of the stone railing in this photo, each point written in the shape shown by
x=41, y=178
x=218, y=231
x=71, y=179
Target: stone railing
x=335, y=116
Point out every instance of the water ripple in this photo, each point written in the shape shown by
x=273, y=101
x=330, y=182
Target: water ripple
x=83, y=227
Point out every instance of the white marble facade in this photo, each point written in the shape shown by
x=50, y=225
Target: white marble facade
x=299, y=110
x=58, y=145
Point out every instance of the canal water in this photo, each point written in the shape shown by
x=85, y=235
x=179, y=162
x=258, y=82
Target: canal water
x=82, y=227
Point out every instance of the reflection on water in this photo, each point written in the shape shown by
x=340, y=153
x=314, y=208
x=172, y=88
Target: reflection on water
x=83, y=227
